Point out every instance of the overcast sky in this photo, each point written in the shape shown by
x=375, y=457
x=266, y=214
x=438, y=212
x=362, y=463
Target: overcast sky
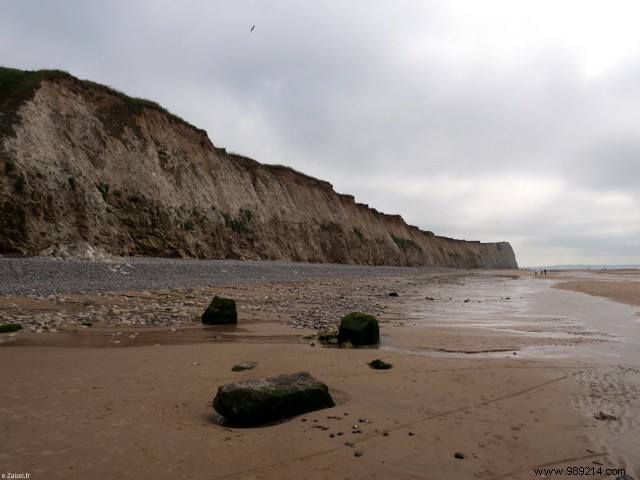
x=480, y=120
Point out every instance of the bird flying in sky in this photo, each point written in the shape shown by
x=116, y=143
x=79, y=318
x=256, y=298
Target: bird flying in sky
x=253, y=28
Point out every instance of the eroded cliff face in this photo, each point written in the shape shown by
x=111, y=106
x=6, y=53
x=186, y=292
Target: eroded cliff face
x=81, y=164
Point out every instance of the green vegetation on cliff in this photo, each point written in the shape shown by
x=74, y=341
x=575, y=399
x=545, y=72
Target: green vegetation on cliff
x=19, y=86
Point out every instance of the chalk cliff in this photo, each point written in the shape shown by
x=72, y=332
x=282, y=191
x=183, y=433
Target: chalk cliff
x=82, y=163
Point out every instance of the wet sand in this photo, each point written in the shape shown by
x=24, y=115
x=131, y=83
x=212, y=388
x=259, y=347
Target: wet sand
x=485, y=364
x=620, y=286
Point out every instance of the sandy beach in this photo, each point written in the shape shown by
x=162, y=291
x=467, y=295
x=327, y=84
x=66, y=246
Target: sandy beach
x=498, y=366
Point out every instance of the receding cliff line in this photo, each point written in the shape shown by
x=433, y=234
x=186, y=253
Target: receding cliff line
x=80, y=162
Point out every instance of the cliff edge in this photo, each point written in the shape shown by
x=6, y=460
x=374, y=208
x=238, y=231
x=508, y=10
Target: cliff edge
x=82, y=163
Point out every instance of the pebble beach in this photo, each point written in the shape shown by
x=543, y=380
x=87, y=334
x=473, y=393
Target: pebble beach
x=53, y=275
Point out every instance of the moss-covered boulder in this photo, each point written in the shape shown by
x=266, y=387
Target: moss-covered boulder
x=360, y=329
x=220, y=311
x=262, y=400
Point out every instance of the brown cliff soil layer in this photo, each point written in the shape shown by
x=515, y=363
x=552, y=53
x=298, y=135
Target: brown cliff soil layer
x=84, y=164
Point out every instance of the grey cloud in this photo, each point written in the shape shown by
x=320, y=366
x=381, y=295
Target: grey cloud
x=613, y=165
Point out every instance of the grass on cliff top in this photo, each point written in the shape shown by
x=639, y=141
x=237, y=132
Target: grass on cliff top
x=19, y=86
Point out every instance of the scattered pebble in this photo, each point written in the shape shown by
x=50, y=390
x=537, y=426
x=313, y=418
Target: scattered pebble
x=379, y=364
x=459, y=455
x=248, y=365
x=600, y=415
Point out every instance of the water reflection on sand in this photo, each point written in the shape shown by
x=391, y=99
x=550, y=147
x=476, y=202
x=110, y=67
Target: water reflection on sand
x=525, y=307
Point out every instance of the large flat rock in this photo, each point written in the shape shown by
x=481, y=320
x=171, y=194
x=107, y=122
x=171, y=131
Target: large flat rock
x=262, y=400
